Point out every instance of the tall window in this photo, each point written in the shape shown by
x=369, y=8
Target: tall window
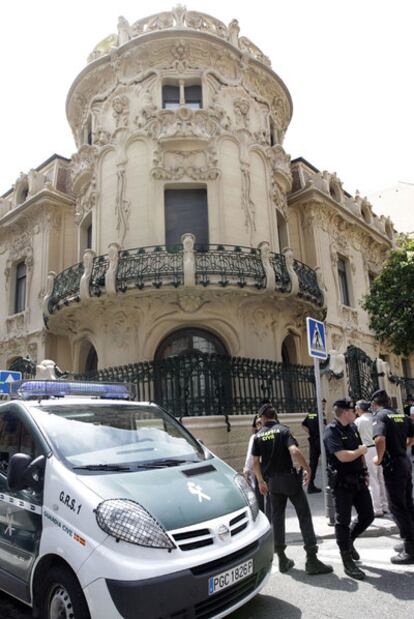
x=343, y=282
x=174, y=96
x=89, y=237
x=186, y=211
x=20, y=288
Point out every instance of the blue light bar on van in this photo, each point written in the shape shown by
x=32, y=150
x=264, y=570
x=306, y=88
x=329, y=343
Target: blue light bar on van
x=40, y=389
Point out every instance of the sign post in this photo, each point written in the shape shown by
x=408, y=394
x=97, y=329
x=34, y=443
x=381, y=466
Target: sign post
x=317, y=349
x=6, y=378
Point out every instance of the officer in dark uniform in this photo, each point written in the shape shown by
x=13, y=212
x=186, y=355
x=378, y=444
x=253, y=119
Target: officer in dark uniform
x=393, y=433
x=348, y=481
x=273, y=449
x=311, y=426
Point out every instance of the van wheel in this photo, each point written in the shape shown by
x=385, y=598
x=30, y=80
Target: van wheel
x=61, y=596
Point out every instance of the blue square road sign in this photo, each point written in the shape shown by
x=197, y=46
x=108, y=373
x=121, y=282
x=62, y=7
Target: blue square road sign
x=6, y=378
x=316, y=338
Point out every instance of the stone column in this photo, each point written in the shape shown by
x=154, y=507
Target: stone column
x=49, y=289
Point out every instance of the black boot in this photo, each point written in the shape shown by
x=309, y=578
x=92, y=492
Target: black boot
x=285, y=564
x=350, y=568
x=354, y=553
x=314, y=567
x=399, y=547
x=406, y=556
x=312, y=489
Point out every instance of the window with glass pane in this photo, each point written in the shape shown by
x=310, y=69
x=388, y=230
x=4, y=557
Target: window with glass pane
x=170, y=97
x=20, y=294
x=192, y=96
x=343, y=282
x=174, y=96
x=186, y=210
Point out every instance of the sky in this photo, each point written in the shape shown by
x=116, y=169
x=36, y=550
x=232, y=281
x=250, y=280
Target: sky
x=347, y=65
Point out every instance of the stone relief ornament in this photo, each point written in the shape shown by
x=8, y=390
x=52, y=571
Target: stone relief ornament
x=110, y=275
x=241, y=109
x=191, y=303
x=85, y=280
x=101, y=137
x=195, y=164
x=182, y=122
x=120, y=106
x=247, y=204
x=180, y=54
x=122, y=205
x=147, y=110
x=82, y=166
x=85, y=200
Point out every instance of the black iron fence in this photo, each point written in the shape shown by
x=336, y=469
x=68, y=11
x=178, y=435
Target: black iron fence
x=362, y=373
x=202, y=384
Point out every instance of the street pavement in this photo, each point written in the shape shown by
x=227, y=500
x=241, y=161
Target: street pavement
x=387, y=591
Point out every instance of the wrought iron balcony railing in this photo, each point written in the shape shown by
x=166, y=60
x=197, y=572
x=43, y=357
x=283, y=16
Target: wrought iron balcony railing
x=229, y=265
x=150, y=266
x=308, y=283
x=182, y=265
x=66, y=287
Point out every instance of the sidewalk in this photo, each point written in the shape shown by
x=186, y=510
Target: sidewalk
x=380, y=526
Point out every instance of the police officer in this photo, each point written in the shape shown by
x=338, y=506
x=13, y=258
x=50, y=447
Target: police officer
x=273, y=449
x=393, y=433
x=311, y=427
x=348, y=480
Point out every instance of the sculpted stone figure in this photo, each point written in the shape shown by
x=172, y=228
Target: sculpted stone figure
x=124, y=30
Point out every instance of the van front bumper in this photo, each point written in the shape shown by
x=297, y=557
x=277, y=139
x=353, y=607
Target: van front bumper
x=186, y=593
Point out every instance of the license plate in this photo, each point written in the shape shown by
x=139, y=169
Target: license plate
x=229, y=577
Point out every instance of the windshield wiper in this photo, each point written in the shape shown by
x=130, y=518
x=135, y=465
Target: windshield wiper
x=102, y=467
x=160, y=464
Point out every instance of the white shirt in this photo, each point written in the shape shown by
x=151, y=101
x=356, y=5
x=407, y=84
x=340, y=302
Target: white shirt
x=364, y=425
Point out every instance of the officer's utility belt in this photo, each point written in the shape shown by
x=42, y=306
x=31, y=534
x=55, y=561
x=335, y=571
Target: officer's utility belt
x=348, y=481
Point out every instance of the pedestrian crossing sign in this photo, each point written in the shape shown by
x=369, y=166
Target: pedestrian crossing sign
x=316, y=338
x=6, y=378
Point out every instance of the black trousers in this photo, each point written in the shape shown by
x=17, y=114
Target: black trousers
x=399, y=487
x=314, y=453
x=345, y=498
x=279, y=495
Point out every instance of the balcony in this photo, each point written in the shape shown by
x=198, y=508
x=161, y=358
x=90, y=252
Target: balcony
x=181, y=266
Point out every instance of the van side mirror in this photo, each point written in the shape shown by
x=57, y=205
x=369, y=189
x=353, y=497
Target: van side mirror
x=23, y=472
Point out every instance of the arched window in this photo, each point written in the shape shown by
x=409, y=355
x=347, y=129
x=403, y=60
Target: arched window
x=190, y=341
x=289, y=355
x=91, y=362
x=191, y=374
x=20, y=288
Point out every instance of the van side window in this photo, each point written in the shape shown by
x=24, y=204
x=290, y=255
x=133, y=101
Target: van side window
x=15, y=438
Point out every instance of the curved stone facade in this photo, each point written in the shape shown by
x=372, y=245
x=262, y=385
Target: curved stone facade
x=181, y=213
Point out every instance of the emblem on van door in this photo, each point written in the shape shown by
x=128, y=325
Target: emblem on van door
x=197, y=490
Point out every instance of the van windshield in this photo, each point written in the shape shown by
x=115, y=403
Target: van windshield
x=115, y=437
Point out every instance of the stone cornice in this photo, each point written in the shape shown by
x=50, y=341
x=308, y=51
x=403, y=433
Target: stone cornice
x=46, y=197
x=315, y=197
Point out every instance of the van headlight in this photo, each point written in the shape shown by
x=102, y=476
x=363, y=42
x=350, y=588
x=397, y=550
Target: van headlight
x=248, y=494
x=129, y=521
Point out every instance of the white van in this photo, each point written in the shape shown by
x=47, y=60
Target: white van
x=110, y=508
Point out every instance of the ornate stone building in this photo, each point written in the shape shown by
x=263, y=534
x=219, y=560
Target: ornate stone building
x=180, y=244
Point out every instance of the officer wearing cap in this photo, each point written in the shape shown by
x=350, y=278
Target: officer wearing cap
x=393, y=433
x=348, y=481
x=273, y=449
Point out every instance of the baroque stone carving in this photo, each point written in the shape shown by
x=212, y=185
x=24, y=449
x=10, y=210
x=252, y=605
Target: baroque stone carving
x=88, y=257
x=182, y=122
x=120, y=106
x=247, y=204
x=85, y=200
x=195, y=164
x=241, y=109
x=82, y=166
x=122, y=205
x=124, y=30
